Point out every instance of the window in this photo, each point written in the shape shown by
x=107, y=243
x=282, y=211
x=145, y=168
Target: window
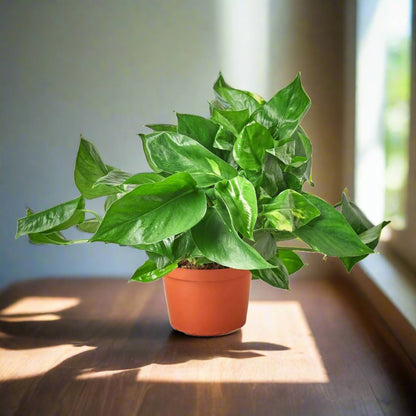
x=385, y=156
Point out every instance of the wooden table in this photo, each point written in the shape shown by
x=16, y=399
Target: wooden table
x=105, y=347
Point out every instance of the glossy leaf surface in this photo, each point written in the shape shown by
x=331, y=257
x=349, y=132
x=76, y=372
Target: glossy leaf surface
x=291, y=260
x=277, y=277
x=88, y=169
x=142, y=178
x=368, y=233
x=220, y=243
x=284, y=150
x=55, y=238
x=153, y=212
x=330, y=233
x=355, y=217
x=237, y=99
x=285, y=110
x=251, y=145
x=174, y=248
x=273, y=180
x=289, y=211
x=224, y=139
x=162, y=127
x=265, y=244
x=47, y=237
x=57, y=218
x=240, y=199
x=113, y=178
x=197, y=127
x=148, y=272
x=234, y=121
x=89, y=226
x=174, y=152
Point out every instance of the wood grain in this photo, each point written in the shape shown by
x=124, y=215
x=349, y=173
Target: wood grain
x=105, y=347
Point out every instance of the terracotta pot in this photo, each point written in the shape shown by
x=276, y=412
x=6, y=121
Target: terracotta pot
x=207, y=302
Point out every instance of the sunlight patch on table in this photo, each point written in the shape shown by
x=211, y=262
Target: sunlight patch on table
x=40, y=304
x=34, y=362
x=291, y=355
x=31, y=318
x=87, y=375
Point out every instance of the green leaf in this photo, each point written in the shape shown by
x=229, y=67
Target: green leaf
x=111, y=199
x=174, y=152
x=301, y=164
x=115, y=177
x=153, y=212
x=224, y=139
x=240, y=199
x=283, y=113
x=198, y=128
x=89, y=226
x=293, y=181
x=237, y=99
x=219, y=104
x=160, y=261
x=148, y=272
x=265, y=244
x=272, y=180
x=251, y=145
x=277, y=277
x=294, y=152
x=256, y=178
x=56, y=218
x=88, y=169
x=303, y=144
x=142, y=178
x=289, y=211
x=282, y=235
x=369, y=237
x=355, y=217
x=50, y=237
x=234, y=121
x=372, y=235
x=330, y=233
x=219, y=242
x=369, y=234
x=162, y=127
x=55, y=237
x=284, y=150
x=173, y=248
x=291, y=260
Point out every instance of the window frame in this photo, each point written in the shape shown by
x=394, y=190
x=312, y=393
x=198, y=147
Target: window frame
x=387, y=281
x=403, y=242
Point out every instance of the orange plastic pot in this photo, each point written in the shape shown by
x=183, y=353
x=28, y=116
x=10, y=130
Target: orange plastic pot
x=207, y=302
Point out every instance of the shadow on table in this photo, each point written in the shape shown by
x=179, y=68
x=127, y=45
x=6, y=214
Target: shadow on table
x=103, y=319
x=115, y=331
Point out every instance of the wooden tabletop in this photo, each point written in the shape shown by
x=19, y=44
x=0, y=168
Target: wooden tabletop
x=105, y=347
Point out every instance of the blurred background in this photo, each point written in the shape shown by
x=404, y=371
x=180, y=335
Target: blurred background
x=104, y=69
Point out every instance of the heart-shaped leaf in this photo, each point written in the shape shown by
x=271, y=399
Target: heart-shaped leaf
x=174, y=152
x=251, y=145
x=289, y=211
x=239, y=196
x=153, y=212
x=330, y=233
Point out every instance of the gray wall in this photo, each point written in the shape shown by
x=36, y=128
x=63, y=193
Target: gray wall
x=104, y=69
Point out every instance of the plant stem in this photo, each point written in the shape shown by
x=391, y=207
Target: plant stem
x=99, y=219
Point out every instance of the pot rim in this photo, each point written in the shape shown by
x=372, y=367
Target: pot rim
x=207, y=275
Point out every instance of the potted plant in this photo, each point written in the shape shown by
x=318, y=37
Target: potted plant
x=225, y=196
